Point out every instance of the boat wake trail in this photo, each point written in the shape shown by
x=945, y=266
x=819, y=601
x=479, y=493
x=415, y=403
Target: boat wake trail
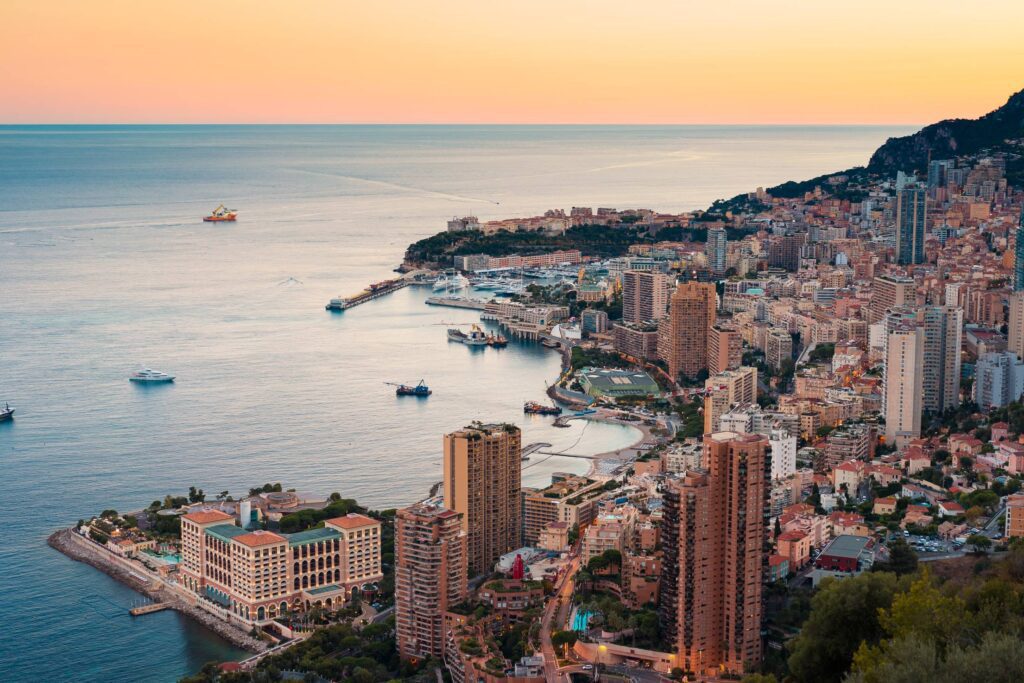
x=424, y=192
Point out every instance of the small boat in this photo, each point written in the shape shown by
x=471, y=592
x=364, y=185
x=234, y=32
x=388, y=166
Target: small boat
x=420, y=389
x=7, y=413
x=476, y=336
x=534, y=408
x=147, y=376
x=221, y=214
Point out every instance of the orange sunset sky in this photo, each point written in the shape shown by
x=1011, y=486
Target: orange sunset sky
x=528, y=61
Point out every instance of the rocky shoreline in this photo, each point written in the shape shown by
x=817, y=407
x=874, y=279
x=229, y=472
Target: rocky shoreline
x=71, y=544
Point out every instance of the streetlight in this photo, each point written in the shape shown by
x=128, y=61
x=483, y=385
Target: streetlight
x=597, y=668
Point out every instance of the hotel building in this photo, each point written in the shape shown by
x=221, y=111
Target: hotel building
x=259, y=575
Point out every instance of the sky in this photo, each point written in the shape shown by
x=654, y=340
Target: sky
x=527, y=61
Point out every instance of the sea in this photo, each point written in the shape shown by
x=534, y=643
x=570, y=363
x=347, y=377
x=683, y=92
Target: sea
x=105, y=265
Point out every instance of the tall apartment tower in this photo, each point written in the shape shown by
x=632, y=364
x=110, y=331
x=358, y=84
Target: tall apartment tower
x=911, y=214
x=430, y=576
x=943, y=334
x=715, y=250
x=1018, y=256
x=888, y=291
x=644, y=296
x=784, y=251
x=1015, y=332
x=483, y=482
x=903, y=383
x=683, y=335
x=725, y=348
x=716, y=547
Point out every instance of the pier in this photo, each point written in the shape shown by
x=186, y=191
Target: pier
x=531, y=449
x=457, y=302
x=379, y=289
x=148, y=609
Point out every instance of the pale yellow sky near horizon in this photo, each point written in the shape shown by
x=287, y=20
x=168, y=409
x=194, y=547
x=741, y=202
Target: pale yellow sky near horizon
x=457, y=61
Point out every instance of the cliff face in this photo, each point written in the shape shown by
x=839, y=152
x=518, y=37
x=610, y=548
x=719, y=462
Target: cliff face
x=950, y=138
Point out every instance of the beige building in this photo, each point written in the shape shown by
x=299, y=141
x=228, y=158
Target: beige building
x=725, y=390
x=430, y=576
x=572, y=500
x=259, y=575
x=482, y=482
x=902, y=383
x=725, y=348
x=644, y=296
x=778, y=346
x=683, y=335
x=1015, y=341
x=888, y=291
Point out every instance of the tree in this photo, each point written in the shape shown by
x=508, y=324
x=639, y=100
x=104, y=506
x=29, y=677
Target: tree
x=195, y=495
x=902, y=559
x=979, y=542
x=844, y=614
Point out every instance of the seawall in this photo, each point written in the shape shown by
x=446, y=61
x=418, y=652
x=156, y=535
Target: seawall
x=71, y=544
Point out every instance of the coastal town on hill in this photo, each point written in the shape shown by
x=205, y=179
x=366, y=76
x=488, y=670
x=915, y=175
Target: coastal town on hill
x=826, y=378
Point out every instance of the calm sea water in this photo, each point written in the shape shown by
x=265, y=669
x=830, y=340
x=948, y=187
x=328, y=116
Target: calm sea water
x=104, y=264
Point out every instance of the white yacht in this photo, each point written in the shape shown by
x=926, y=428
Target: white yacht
x=148, y=376
x=451, y=281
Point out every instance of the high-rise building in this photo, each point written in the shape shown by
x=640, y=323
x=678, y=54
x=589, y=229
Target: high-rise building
x=943, y=330
x=911, y=216
x=1018, y=254
x=902, y=383
x=644, y=295
x=998, y=379
x=482, y=482
x=683, y=335
x=594, y=321
x=784, y=251
x=430, y=576
x=715, y=250
x=714, y=535
x=1015, y=328
x=725, y=348
x=888, y=291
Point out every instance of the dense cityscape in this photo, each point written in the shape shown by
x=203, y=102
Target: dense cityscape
x=826, y=379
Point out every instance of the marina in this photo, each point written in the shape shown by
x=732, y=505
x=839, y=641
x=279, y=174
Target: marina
x=457, y=302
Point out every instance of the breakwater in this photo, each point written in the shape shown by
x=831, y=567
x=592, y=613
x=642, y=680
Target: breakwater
x=73, y=545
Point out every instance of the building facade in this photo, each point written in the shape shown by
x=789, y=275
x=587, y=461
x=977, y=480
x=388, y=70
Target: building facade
x=259, y=575
x=716, y=551
x=911, y=218
x=902, y=383
x=482, y=482
x=644, y=296
x=430, y=576
x=683, y=335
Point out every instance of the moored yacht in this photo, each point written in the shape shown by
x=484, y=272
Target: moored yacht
x=6, y=413
x=451, y=280
x=149, y=376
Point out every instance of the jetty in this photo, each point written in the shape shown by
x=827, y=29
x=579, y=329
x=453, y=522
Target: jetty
x=457, y=302
x=378, y=289
x=148, y=609
x=531, y=449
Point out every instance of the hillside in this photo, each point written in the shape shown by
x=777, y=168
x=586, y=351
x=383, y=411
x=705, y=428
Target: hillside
x=954, y=137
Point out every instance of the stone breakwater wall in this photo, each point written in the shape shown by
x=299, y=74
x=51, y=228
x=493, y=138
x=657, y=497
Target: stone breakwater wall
x=72, y=544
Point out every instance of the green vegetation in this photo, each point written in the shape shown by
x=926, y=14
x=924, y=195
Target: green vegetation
x=339, y=653
x=880, y=627
x=592, y=240
x=692, y=415
x=307, y=519
x=582, y=358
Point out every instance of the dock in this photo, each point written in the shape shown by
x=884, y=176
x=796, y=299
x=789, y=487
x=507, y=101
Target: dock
x=457, y=302
x=531, y=449
x=148, y=609
x=379, y=289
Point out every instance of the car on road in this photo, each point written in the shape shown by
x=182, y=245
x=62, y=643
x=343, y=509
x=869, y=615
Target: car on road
x=587, y=667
